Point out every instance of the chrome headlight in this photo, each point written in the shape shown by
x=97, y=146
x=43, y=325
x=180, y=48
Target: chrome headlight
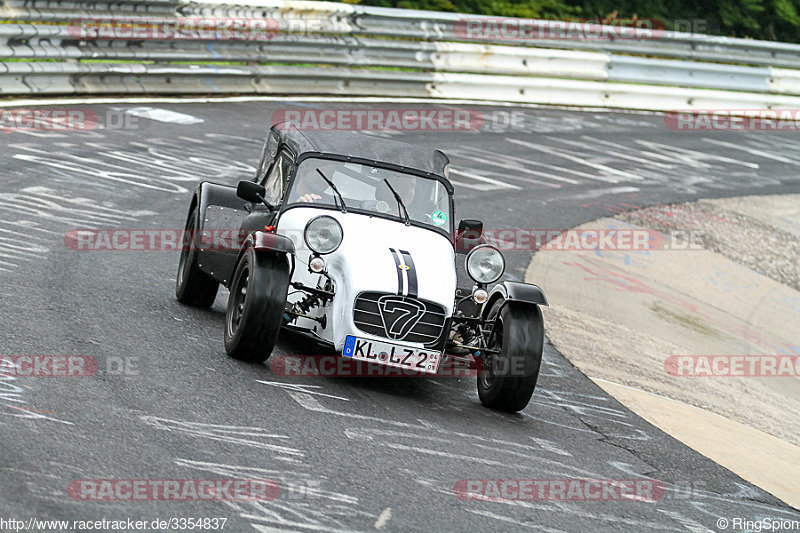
x=323, y=234
x=485, y=264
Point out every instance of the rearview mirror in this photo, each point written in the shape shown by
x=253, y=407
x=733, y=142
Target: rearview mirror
x=251, y=191
x=469, y=228
x=468, y=235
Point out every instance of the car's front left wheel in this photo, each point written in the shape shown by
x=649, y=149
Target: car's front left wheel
x=256, y=306
x=507, y=381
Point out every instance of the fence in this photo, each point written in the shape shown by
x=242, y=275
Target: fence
x=290, y=47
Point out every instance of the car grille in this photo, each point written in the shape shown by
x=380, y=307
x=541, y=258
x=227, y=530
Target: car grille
x=367, y=317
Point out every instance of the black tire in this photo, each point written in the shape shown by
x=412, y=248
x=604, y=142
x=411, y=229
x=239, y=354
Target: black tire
x=193, y=286
x=509, y=378
x=256, y=306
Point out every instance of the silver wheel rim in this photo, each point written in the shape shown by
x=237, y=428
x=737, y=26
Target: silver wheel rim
x=495, y=343
x=238, y=300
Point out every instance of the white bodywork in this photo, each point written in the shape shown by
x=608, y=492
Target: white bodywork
x=364, y=262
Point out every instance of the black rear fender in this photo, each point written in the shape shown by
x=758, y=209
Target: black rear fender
x=220, y=214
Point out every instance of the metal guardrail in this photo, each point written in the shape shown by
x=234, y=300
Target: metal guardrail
x=93, y=78
x=669, y=44
x=687, y=74
x=333, y=48
x=48, y=42
x=418, y=25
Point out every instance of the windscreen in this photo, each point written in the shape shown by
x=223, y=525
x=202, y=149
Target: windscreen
x=368, y=189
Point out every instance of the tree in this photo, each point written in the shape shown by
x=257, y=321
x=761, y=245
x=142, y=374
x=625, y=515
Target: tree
x=757, y=19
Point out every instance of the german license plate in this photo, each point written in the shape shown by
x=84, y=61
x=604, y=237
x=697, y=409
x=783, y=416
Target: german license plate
x=397, y=355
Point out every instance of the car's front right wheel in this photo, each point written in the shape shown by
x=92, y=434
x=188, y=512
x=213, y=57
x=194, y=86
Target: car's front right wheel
x=256, y=306
x=508, y=378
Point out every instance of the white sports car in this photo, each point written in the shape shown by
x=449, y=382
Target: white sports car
x=350, y=238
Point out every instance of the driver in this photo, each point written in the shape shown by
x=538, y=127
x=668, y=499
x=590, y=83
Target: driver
x=405, y=188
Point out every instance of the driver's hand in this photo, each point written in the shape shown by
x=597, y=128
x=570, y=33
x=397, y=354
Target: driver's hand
x=309, y=197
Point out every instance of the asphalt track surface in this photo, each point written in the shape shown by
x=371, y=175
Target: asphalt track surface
x=348, y=454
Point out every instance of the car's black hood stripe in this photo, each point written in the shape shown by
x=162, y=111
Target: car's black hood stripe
x=412, y=274
x=400, y=271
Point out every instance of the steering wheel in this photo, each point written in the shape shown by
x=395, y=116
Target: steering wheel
x=381, y=206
